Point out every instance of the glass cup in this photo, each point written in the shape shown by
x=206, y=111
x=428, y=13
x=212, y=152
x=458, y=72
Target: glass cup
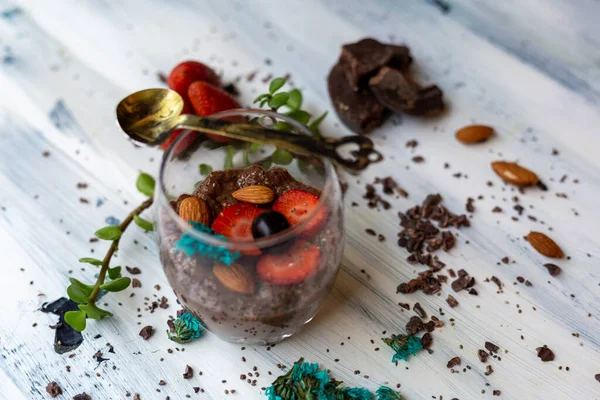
x=237, y=302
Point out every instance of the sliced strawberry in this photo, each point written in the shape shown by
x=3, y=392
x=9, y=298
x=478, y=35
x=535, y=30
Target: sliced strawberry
x=294, y=266
x=207, y=100
x=188, y=72
x=297, y=205
x=235, y=222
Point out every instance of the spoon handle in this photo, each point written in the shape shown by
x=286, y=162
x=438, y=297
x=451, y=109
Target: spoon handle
x=361, y=150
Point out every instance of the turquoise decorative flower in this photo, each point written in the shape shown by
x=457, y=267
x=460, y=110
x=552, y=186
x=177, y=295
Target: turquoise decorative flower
x=190, y=245
x=385, y=393
x=403, y=345
x=187, y=328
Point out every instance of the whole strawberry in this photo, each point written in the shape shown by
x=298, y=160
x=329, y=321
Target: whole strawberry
x=207, y=100
x=188, y=72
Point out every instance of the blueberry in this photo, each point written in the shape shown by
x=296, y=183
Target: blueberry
x=269, y=223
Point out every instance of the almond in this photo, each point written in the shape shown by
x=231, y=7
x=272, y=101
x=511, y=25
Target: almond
x=474, y=134
x=234, y=277
x=513, y=173
x=254, y=194
x=194, y=209
x=544, y=245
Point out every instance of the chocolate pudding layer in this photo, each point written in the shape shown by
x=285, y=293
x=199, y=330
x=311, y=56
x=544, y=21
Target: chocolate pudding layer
x=264, y=312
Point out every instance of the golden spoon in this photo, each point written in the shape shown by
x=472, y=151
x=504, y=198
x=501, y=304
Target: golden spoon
x=149, y=116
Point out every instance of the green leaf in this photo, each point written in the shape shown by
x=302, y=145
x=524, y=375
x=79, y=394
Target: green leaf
x=267, y=164
x=254, y=147
x=263, y=102
x=276, y=84
x=93, y=311
x=300, y=116
x=89, y=260
x=261, y=97
x=86, y=288
x=303, y=166
x=295, y=100
x=314, y=126
x=282, y=157
x=76, y=319
x=246, y=158
x=109, y=233
x=145, y=184
x=282, y=126
x=116, y=285
x=205, y=169
x=76, y=294
x=114, y=273
x=143, y=223
x=209, y=144
x=279, y=100
x=228, y=164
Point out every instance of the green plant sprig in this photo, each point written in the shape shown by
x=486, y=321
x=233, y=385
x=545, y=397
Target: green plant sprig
x=86, y=295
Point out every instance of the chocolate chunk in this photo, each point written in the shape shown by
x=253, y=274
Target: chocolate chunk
x=496, y=392
x=53, y=389
x=429, y=102
x=359, y=111
x=469, y=206
x=147, y=332
x=452, y=302
x=496, y=281
x=364, y=58
x=553, y=269
x=483, y=355
x=488, y=370
x=188, y=373
x=473, y=292
x=545, y=354
x=419, y=310
x=491, y=347
x=431, y=325
x=597, y=376
x=425, y=282
x=82, y=396
x=394, y=90
x=414, y=325
x=461, y=283
x=406, y=306
x=133, y=270
x=135, y=283
x=426, y=340
x=453, y=362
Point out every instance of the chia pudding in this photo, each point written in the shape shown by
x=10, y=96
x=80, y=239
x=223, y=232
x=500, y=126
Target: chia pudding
x=275, y=286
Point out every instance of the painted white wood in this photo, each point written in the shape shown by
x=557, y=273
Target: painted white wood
x=74, y=60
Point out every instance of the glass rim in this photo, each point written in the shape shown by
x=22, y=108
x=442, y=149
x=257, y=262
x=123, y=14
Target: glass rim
x=331, y=179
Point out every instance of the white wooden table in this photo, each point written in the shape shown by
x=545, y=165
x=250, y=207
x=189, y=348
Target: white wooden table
x=529, y=68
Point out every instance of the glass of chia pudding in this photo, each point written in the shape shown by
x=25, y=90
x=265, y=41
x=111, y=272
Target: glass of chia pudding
x=251, y=237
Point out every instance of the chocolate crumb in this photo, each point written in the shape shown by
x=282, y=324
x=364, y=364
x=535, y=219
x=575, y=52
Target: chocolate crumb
x=414, y=325
x=418, y=159
x=488, y=370
x=162, y=382
x=452, y=302
x=370, y=232
x=426, y=340
x=188, y=373
x=135, y=283
x=496, y=392
x=505, y=260
x=133, y=270
x=469, y=206
x=53, y=389
x=545, y=354
x=491, y=347
x=483, y=355
x=412, y=144
x=83, y=396
x=597, y=376
x=553, y=269
x=453, y=362
x=147, y=332
x=497, y=209
x=419, y=310
x=162, y=77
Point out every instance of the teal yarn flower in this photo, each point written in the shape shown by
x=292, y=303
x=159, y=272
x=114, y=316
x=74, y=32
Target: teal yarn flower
x=187, y=328
x=190, y=245
x=403, y=345
x=385, y=393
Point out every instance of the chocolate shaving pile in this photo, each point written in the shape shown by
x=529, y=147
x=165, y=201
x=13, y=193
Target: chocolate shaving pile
x=371, y=77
